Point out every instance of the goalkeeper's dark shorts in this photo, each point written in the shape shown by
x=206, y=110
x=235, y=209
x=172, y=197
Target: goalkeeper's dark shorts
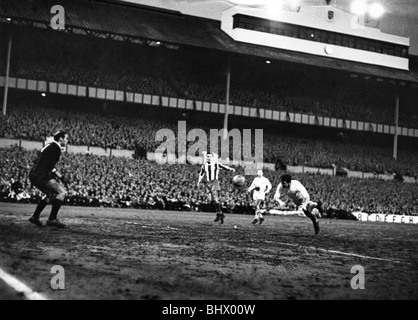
x=52, y=187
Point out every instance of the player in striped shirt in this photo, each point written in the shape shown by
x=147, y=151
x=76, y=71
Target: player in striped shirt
x=261, y=186
x=295, y=191
x=211, y=169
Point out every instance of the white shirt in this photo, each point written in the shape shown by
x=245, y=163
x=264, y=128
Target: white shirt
x=297, y=193
x=263, y=183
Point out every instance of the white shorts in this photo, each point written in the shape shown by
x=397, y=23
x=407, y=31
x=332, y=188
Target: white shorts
x=259, y=195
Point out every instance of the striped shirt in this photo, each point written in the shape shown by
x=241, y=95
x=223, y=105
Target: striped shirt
x=212, y=170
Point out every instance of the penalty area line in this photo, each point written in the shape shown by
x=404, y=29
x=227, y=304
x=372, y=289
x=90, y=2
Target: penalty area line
x=20, y=287
x=339, y=252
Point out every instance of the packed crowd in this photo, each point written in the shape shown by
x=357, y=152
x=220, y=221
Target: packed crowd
x=159, y=71
x=279, y=93
x=123, y=132
x=114, y=76
x=123, y=182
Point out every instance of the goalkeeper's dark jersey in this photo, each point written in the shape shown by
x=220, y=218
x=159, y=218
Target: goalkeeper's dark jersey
x=46, y=160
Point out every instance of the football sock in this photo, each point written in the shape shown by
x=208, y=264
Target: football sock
x=215, y=206
x=56, y=205
x=41, y=206
x=313, y=218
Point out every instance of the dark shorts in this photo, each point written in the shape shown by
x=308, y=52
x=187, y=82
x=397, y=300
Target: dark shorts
x=53, y=188
x=40, y=183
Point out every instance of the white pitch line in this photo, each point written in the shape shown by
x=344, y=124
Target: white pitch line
x=20, y=287
x=339, y=252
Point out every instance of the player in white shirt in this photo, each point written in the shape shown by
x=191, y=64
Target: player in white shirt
x=295, y=191
x=261, y=186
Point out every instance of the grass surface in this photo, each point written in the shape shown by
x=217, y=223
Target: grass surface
x=145, y=254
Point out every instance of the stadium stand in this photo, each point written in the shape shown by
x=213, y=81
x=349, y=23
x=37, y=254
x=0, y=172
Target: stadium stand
x=197, y=75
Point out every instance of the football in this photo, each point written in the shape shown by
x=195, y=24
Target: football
x=238, y=180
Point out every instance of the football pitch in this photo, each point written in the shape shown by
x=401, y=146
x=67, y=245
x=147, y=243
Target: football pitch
x=167, y=255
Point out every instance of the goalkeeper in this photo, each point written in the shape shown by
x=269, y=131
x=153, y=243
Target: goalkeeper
x=47, y=179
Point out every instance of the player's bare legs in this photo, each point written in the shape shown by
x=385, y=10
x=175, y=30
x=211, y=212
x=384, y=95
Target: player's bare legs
x=39, y=208
x=258, y=216
x=56, y=197
x=214, y=199
x=312, y=211
x=57, y=201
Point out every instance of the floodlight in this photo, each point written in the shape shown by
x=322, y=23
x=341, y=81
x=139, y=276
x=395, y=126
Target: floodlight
x=359, y=7
x=376, y=10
